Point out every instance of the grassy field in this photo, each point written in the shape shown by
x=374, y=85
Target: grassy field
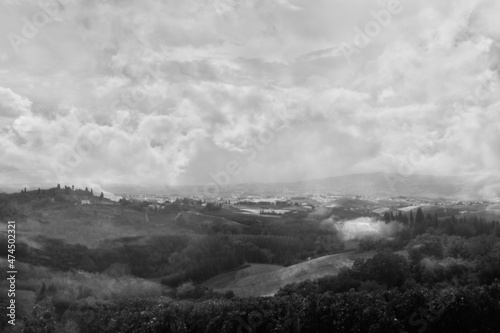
x=494, y=206
x=76, y=284
x=195, y=219
x=266, y=281
x=223, y=280
x=487, y=214
x=90, y=225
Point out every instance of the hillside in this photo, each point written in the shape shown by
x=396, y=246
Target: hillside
x=269, y=281
x=221, y=281
x=90, y=224
x=197, y=220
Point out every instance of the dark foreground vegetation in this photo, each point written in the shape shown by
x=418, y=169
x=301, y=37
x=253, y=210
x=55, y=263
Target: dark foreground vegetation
x=386, y=293
x=419, y=309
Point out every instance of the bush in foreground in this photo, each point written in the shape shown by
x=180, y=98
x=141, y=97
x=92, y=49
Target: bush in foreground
x=450, y=309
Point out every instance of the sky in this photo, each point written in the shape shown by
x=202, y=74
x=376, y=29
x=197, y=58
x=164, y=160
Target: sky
x=230, y=91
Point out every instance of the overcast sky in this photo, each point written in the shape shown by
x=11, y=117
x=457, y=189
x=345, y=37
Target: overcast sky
x=169, y=92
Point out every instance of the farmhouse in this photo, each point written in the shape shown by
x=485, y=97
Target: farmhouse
x=86, y=202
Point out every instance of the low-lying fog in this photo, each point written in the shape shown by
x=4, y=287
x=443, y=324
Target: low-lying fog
x=362, y=227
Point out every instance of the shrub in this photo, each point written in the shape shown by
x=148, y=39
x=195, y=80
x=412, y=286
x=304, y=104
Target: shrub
x=42, y=319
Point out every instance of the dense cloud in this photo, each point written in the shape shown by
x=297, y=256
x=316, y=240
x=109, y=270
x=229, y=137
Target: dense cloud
x=167, y=92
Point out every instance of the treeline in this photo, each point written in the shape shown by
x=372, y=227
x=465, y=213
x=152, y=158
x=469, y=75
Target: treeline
x=14, y=205
x=212, y=255
x=385, y=270
x=431, y=260
x=145, y=257
x=475, y=260
x=166, y=207
x=179, y=205
x=450, y=225
x=176, y=258
x=418, y=309
x=465, y=227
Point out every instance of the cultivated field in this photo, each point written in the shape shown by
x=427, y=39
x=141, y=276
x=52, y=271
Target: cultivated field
x=266, y=281
x=90, y=225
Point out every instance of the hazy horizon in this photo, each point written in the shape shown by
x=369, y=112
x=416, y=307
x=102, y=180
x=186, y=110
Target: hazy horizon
x=83, y=184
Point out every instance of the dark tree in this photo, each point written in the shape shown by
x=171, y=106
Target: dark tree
x=419, y=227
x=419, y=219
x=385, y=268
x=387, y=218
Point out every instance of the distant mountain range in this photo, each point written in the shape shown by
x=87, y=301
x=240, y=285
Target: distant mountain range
x=482, y=187
x=479, y=187
x=393, y=185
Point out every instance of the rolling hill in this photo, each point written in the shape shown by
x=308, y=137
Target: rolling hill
x=266, y=280
x=90, y=225
x=196, y=220
x=221, y=281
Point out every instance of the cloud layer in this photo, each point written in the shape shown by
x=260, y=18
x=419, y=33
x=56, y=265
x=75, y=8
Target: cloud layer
x=168, y=92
